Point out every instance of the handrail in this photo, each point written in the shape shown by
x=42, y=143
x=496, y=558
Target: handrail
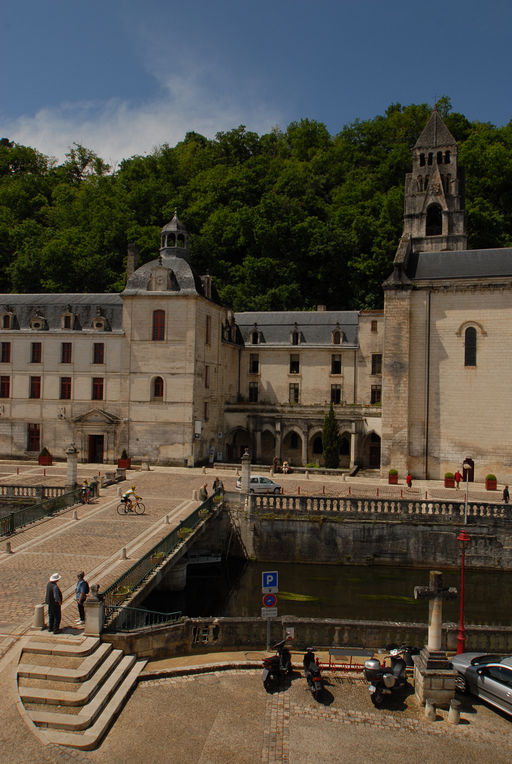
x=31, y=514
x=126, y=618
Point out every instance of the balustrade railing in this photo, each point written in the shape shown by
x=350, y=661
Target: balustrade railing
x=397, y=509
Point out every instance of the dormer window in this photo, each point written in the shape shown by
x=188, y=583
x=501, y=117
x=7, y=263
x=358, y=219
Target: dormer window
x=37, y=322
x=8, y=321
x=98, y=324
x=295, y=336
x=255, y=336
x=336, y=337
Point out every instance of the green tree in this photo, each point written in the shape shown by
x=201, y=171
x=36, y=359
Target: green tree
x=331, y=440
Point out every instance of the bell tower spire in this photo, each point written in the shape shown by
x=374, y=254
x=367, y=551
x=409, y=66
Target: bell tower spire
x=434, y=192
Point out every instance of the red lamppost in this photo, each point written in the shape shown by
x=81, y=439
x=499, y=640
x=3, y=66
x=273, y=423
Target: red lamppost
x=463, y=539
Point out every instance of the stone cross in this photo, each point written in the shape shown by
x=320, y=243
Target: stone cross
x=435, y=592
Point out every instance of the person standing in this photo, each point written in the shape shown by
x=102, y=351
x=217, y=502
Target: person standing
x=506, y=495
x=81, y=592
x=203, y=492
x=54, y=601
x=408, y=480
x=458, y=478
x=217, y=485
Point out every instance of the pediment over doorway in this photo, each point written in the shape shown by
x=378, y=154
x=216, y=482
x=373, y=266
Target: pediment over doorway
x=97, y=416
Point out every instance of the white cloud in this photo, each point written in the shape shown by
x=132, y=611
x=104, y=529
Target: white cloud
x=117, y=129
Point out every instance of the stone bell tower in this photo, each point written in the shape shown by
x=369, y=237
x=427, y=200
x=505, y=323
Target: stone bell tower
x=434, y=214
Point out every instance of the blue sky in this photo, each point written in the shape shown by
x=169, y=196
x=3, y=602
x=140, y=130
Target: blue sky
x=125, y=76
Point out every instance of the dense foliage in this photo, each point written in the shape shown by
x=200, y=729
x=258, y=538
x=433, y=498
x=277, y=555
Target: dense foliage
x=286, y=220
x=331, y=440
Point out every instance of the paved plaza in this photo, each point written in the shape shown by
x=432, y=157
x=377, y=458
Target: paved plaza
x=219, y=716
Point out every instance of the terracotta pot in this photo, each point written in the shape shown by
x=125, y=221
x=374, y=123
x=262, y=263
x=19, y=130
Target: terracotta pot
x=124, y=464
x=45, y=461
x=393, y=479
x=491, y=485
x=449, y=482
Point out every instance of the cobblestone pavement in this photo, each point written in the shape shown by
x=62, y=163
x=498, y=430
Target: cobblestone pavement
x=223, y=716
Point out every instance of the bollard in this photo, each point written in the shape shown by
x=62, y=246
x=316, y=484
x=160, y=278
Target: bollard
x=307, y=474
x=323, y=490
x=75, y=514
x=401, y=494
x=298, y=490
x=430, y=710
x=426, y=494
x=167, y=520
x=122, y=556
x=44, y=473
x=377, y=493
x=8, y=547
x=454, y=712
x=38, y=617
x=349, y=490
x=204, y=470
x=119, y=490
x=17, y=470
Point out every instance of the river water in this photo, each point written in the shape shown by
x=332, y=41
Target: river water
x=379, y=593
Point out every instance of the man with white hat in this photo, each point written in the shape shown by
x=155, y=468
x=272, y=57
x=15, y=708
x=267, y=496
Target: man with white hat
x=54, y=601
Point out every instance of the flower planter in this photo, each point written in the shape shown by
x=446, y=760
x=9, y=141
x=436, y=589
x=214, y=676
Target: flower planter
x=45, y=461
x=449, y=482
x=491, y=485
x=393, y=479
x=124, y=464
x=157, y=558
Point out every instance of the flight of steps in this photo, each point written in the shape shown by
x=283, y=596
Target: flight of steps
x=72, y=689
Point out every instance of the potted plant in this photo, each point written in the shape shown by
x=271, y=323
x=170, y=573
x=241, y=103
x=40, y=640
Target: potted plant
x=157, y=558
x=45, y=457
x=184, y=532
x=491, y=482
x=122, y=593
x=393, y=477
x=449, y=480
x=124, y=462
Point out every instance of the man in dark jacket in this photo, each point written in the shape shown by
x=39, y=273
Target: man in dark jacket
x=54, y=601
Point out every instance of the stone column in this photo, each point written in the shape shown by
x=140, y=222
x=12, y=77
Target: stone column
x=71, y=471
x=352, y=449
x=304, y=447
x=246, y=472
x=94, y=613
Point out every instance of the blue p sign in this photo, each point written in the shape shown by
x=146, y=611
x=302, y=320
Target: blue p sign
x=269, y=582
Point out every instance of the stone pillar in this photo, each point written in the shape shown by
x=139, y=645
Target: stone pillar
x=278, y=440
x=304, y=447
x=71, y=471
x=246, y=472
x=353, y=437
x=94, y=613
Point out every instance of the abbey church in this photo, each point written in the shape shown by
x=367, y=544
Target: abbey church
x=166, y=373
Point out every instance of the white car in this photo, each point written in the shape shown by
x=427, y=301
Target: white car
x=260, y=484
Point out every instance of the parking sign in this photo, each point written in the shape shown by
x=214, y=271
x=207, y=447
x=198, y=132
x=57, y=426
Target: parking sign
x=270, y=582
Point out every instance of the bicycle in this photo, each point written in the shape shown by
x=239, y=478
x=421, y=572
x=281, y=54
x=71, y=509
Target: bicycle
x=137, y=507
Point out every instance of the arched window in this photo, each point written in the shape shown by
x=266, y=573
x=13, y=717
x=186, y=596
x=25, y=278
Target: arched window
x=439, y=157
x=422, y=160
x=430, y=157
x=158, y=325
x=434, y=226
x=158, y=388
x=336, y=337
x=470, y=346
x=317, y=445
x=447, y=157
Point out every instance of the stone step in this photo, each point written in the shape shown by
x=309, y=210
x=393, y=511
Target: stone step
x=87, y=740
x=61, y=674
x=78, y=697
x=89, y=712
x=84, y=646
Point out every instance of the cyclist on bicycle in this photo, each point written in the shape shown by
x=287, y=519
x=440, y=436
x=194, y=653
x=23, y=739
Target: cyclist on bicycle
x=127, y=498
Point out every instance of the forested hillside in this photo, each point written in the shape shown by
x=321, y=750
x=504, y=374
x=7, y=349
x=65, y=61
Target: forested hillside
x=282, y=221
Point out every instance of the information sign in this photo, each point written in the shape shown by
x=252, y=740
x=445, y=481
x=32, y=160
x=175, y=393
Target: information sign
x=270, y=582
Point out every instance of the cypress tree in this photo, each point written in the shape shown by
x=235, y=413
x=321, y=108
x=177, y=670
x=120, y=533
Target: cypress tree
x=331, y=440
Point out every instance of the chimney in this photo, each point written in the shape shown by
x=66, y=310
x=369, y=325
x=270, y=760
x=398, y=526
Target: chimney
x=131, y=259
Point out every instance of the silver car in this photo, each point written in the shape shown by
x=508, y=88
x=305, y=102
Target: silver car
x=260, y=484
x=487, y=676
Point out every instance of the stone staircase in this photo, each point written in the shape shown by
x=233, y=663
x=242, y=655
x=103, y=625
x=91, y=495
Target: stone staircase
x=72, y=689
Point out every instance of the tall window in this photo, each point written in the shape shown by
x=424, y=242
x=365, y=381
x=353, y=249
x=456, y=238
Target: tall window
x=470, y=346
x=294, y=364
x=293, y=392
x=33, y=437
x=253, y=392
x=255, y=338
x=66, y=323
x=374, y=326
x=336, y=364
x=376, y=394
x=434, y=224
x=35, y=352
x=5, y=387
x=206, y=411
x=254, y=363
x=65, y=388
x=158, y=325
x=98, y=352
x=158, y=387
x=335, y=393
x=6, y=321
x=207, y=376
x=65, y=352
x=376, y=363
x=5, y=356
x=208, y=330
x=35, y=387
x=97, y=389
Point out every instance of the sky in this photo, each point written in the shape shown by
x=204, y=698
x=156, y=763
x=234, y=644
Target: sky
x=123, y=77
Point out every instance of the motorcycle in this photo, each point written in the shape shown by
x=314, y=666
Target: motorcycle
x=277, y=666
x=385, y=680
x=312, y=673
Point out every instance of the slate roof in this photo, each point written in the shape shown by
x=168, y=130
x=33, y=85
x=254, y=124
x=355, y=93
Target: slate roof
x=315, y=327
x=460, y=264
x=183, y=278
x=434, y=134
x=52, y=306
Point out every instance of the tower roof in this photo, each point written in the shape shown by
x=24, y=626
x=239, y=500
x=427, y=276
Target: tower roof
x=174, y=224
x=435, y=133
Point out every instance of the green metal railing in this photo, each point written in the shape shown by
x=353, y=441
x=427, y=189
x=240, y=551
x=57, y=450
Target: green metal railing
x=21, y=517
x=129, y=618
x=124, y=586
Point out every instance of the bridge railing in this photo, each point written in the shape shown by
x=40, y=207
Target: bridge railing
x=34, y=512
x=124, y=586
x=128, y=618
x=393, y=509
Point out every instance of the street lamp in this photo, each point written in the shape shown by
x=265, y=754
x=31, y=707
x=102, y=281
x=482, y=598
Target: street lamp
x=463, y=539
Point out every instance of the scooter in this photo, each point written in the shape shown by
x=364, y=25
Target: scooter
x=312, y=673
x=385, y=680
x=277, y=666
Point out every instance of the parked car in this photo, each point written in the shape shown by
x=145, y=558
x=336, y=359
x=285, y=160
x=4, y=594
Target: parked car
x=260, y=484
x=487, y=676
